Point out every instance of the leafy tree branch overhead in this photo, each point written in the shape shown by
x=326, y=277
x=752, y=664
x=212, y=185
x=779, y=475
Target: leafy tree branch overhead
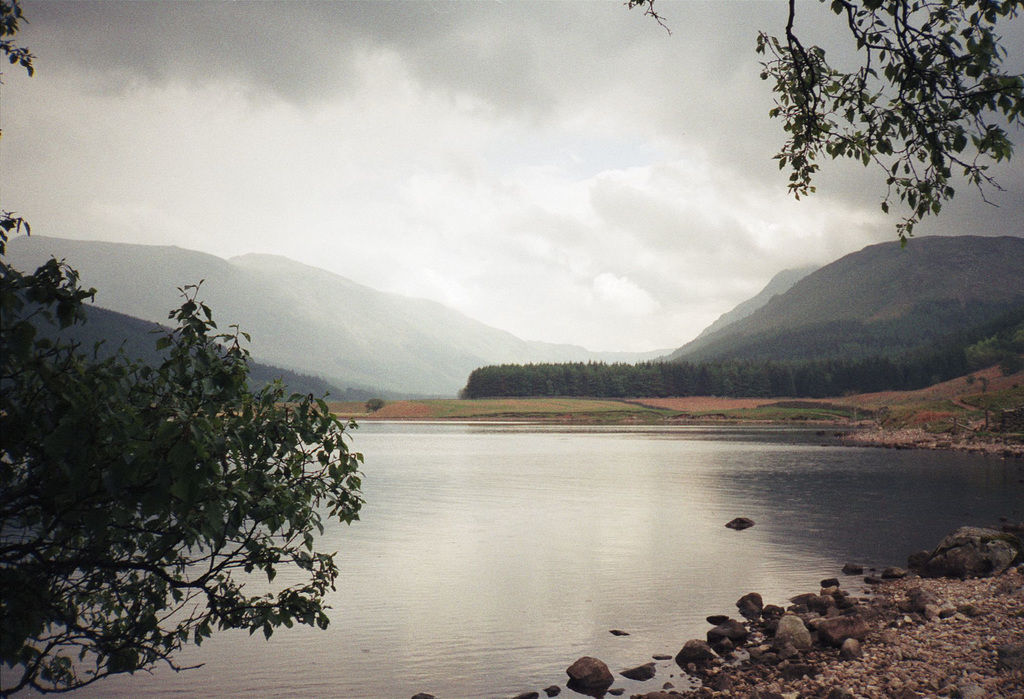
x=144, y=507
x=929, y=99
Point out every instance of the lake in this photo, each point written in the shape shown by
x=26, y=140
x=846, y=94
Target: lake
x=490, y=557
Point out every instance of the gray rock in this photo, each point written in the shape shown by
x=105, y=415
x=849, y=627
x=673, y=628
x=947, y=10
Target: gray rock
x=840, y=693
x=641, y=673
x=617, y=692
x=835, y=630
x=765, y=694
x=553, y=691
x=830, y=582
x=894, y=573
x=423, y=695
x=589, y=673
x=972, y=691
x=792, y=630
x=527, y=695
x=750, y=606
x=694, y=651
x=973, y=552
x=917, y=600
x=850, y=650
x=618, y=632
x=795, y=671
x=728, y=629
x=853, y=569
x=918, y=559
x=740, y=523
x=1011, y=656
x=822, y=604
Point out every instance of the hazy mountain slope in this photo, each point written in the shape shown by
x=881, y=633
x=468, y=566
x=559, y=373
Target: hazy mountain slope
x=302, y=318
x=106, y=331
x=779, y=284
x=882, y=299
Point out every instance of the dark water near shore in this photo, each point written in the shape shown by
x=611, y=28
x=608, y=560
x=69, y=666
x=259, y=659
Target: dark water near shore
x=490, y=557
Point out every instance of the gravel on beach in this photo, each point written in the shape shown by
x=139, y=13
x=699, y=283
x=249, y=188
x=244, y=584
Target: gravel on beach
x=962, y=639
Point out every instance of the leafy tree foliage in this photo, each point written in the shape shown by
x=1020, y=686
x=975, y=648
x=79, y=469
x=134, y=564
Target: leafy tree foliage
x=141, y=508
x=929, y=98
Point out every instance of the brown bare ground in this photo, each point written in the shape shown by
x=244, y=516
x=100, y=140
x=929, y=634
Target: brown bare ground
x=948, y=390
x=406, y=409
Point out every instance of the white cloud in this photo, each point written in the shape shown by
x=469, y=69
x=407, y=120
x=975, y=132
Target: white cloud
x=564, y=171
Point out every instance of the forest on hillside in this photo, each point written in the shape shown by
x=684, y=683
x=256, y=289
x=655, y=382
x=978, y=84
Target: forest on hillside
x=998, y=342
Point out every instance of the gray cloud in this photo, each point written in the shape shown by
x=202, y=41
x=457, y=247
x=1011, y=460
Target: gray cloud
x=564, y=170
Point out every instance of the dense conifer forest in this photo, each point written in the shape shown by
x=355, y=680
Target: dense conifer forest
x=1001, y=341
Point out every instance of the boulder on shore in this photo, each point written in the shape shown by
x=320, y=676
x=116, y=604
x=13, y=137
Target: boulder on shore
x=792, y=630
x=729, y=629
x=835, y=630
x=750, y=606
x=694, y=651
x=973, y=552
x=589, y=673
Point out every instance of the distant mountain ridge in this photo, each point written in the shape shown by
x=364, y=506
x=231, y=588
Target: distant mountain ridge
x=303, y=318
x=881, y=300
x=779, y=284
x=108, y=331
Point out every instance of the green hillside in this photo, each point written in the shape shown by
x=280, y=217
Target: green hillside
x=881, y=301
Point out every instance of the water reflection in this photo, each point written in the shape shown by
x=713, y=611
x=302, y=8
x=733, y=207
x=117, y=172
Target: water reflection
x=489, y=557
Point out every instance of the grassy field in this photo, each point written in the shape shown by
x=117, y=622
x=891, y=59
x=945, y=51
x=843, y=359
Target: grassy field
x=588, y=410
x=947, y=406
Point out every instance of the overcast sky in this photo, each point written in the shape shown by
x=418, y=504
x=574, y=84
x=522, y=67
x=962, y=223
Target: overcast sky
x=566, y=171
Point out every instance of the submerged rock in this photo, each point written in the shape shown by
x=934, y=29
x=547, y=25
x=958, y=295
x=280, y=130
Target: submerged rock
x=740, y=523
x=641, y=673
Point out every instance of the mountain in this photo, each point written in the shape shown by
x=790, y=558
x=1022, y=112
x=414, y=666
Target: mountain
x=303, y=318
x=882, y=300
x=107, y=331
x=779, y=284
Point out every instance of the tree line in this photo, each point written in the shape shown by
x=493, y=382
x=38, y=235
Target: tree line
x=737, y=379
x=998, y=341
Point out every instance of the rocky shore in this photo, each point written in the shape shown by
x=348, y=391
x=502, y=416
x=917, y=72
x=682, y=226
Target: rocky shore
x=912, y=637
x=958, y=633
x=920, y=439
x=950, y=626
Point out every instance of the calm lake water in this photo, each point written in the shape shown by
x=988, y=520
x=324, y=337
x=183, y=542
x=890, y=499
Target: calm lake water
x=490, y=557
